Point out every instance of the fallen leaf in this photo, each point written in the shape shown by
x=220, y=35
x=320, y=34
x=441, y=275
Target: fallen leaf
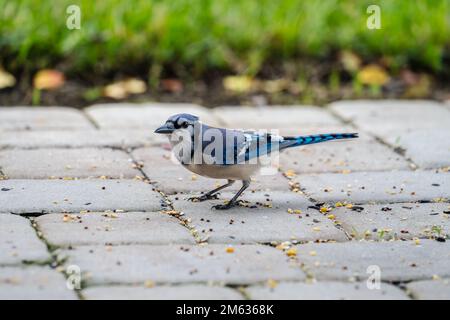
x=420, y=89
x=239, y=83
x=410, y=78
x=373, y=75
x=134, y=86
x=172, y=85
x=115, y=91
x=350, y=61
x=48, y=79
x=275, y=86
x=121, y=89
x=6, y=79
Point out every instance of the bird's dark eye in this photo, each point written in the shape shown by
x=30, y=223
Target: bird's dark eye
x=185, y=124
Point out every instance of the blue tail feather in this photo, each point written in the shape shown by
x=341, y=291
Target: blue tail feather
x=317, y=138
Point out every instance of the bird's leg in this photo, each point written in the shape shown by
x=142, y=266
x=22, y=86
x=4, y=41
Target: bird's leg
x=212, y=194
x=232, y=202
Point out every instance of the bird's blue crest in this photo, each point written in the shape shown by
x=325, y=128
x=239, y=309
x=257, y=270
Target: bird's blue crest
x=187, y=116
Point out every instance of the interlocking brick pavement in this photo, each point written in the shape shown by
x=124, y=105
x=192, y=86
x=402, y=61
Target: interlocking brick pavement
x=95, y=190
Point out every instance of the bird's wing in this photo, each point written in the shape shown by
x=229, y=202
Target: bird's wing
x=239, y=147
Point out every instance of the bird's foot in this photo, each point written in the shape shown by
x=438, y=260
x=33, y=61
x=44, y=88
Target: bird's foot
x=204, y=198
x=224, y=206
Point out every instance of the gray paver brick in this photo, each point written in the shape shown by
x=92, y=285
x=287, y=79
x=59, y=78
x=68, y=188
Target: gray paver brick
x=110, y=228
x=396, y=221
x=181, y=264
x=430, y=289
x=45, y=196
x=148, y=115
x=325, y=291
x=261, y=224
x=42, y=118
x=130, y=249
x=428, y=148
x=123, y=138
x=382, y=187
x=389, y=117
x=181, y=292
x=397, y=260
x=171, y=177
x=61, y=163
x=33, y=283
x=19, y=242
x=362, y=154
x=273, y=117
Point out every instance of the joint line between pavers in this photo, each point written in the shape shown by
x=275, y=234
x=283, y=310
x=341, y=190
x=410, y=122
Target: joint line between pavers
x=239, y=288
x=91, y=120
x=184, y=222
x=412, y=165
x=50, y=248
x=398, y=151
x=310, y=198
x=122, y=147
x=302, y=267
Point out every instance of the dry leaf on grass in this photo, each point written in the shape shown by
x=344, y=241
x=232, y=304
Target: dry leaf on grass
x=275, y=86
x=373, y=75
x=239, y=83
x=6, y=79
x=121, y=89
x=48, y=79
x=172, y=85
x=135, y=86
x=350, y=61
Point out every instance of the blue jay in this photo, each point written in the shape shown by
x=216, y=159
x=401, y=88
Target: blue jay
x=227, y=153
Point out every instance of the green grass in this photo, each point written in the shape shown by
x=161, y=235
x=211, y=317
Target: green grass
x=193, y=37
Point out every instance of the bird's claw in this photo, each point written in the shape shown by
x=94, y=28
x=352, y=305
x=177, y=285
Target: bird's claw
x=203, y=198
x=223, y=206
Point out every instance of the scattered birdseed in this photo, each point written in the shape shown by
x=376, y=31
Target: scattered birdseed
x=357, y=208
x=283, y=246
x=312, y=253
x=69, y=217
x=289, y=173
x=272, y=283
x=229, y=249
x=325, y=209
x=292, y=252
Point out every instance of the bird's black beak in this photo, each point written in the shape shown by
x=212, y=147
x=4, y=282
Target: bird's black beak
x=165, y=128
